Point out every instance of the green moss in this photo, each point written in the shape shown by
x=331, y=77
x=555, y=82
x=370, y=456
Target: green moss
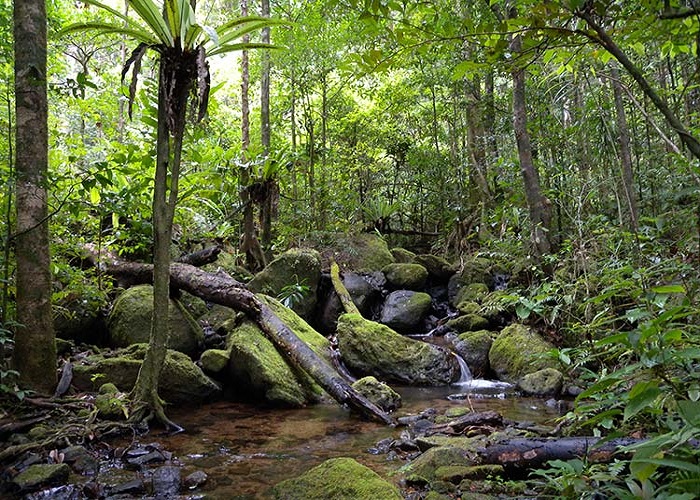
x=468, y=307
x=214, y=360
x=300, y=266
x=468, y=323
x=427, y=464
x=518, y=351
x=438, y=267
x=370, y=348
x=378, y=393
x=130, y=322
x=473, y=292
x=337, y=479
x=402, y=255
x=547, y=382
x=41, y=475
x=456, y=473
x=406, y=276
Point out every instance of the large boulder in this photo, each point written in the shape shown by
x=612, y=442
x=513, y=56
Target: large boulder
x=130, y=322
x=405, y=310
x=181, y=381
x=253, y=368
x=474, y=348
x=406, y=276
x=296, y=270
x=402, y=255
x=337, y=479
x=370, y=348
x=363, y=252
x=517, y=351
x=547, y=382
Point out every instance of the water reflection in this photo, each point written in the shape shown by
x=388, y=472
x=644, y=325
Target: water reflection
x=245, y=450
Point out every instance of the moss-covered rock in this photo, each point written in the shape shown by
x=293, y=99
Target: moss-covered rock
x=110, y=403
x=517, y=351
x=363, y=252
x=228, y=262
x=468, y=307
x=457, y=473
x=378, y=393
x=298, y=266
x=473, y=292
x=468, y=323
x=39, y=475
x=438, y=268
x=181, y=381
x=426, y=465
x=130, y=322
x=405, y=310
x=370, y=348
x=214, y=361
x=403, y=256
x=406, y=276
x=337, y=479
x=256, y=369
x=217, y=316
x=474, y=348
x=547, y=382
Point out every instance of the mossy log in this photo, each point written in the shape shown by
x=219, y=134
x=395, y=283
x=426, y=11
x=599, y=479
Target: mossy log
x=342, y=292
x=224, y=290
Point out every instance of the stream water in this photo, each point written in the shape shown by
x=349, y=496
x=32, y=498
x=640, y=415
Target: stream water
x=246, y=449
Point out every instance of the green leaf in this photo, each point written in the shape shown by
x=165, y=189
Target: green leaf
x=690, y=411
x=103, y=28
x=95, y=195
x=642, y=395
x=151, y=15
x=669, y=289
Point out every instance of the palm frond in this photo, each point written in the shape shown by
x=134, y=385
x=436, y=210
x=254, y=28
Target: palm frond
x=227, y=32
x=232, y=47
x=103, y=28
x=151, y=15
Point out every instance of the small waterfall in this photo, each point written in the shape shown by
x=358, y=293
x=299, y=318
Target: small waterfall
x=465, y=374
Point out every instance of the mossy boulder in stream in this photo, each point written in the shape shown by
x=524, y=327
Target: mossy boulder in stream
x=474, y=348
x=361, y=252
x=181, y=381
x=378, y=393
x=517, y=351
x=255, y=368
x=547, y=382
x=406, y=276
x=370, y=348
x=337, y=479
x=38, y=475
x=298, y=266
x=438, y=268
x=405, y=310
x=130, y=322
x=403, y=256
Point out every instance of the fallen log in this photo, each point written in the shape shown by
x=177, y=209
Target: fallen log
x=531, y=453
x=224, y=290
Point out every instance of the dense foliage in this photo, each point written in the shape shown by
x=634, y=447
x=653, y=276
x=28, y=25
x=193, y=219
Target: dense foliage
x=397, y=117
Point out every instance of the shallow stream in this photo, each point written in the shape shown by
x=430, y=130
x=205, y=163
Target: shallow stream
x=246, y=449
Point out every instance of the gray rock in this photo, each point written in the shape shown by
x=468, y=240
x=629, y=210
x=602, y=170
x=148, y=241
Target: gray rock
x=405, y=310
x=378, y=393
x=547, y=382
x=406, y=276
x=166, y=481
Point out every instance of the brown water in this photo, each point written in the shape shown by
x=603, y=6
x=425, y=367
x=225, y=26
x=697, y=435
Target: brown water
x=245, y=449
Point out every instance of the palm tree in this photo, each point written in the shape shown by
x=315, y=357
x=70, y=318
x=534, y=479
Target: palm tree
x=182, y=46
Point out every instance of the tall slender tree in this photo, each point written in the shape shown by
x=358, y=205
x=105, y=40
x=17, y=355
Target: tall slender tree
x=35, y=350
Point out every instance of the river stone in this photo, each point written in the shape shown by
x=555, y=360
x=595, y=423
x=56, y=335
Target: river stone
x=378, y=393
x=402, y=256
x=425, y=466
x=338, y=479
x=130, y=322
x=473, y=292
x=181, y=381
x=370, y=348
x=39, y=475
x=438, y=268
x=405, y=310
x=547, y=382
x=406, y=276
x=298, y=266
x=166, y=481
x=517, y=351
x=474, y=348
x=468, y=323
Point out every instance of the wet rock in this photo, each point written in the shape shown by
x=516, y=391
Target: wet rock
x=404, y=310
x=133, y=487
x=66, y=492
x=406, y=276
x=474, y=348
x=195, y=480
x=166, y=481
x=426, y=465
x=547, y=382
x=130, y=322
x=338, y=478
x=181, y=381
x=517, y=351
x=378, y=393
x=298, y=266
x=468, y=323
x=81, y=460
x=370, y=348
x=38, y=475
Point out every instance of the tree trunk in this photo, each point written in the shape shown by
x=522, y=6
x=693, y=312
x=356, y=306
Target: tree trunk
x=629, y=198
x=250, y=246
x=228, y=292
x=35, y=350
x=539, y=206
x=266, y=210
